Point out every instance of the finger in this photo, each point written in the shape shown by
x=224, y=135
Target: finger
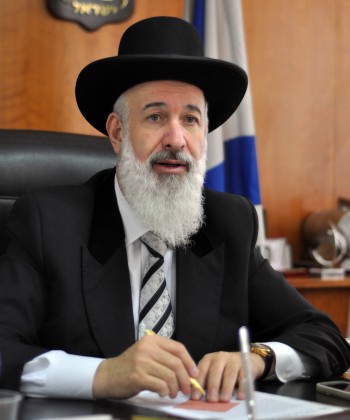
x=240, y=388
x=171, y=357
x=180, y=351
x=175, y=375
x=229, y=380
x=203, y=367
x=148, y=372
x=214, y=378
x=163, y=378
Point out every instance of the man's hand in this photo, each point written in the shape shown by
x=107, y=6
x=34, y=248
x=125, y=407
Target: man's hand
x=153, y=363
x=220, y=372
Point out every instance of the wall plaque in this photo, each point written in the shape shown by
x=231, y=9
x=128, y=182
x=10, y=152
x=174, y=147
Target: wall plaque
x=92, y=14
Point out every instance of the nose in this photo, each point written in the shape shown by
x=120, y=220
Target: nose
x=174, y=137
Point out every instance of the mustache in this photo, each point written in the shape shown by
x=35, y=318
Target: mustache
x=167, y=154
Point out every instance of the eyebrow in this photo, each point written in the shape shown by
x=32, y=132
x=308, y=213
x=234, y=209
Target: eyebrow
x=164, y=105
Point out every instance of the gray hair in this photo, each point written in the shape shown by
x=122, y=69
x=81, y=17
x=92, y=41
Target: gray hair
x=122, y=109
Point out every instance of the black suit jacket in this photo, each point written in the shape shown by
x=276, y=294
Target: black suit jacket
x=64, y=284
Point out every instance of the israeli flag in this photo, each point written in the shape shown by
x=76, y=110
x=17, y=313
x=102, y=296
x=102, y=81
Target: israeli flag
x=232, y=160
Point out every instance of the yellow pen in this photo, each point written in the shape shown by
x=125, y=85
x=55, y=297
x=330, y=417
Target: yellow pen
x=193, y=381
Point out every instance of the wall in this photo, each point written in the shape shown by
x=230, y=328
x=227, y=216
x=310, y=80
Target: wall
x=41, y=56
x=299, y=66
x=298, y=52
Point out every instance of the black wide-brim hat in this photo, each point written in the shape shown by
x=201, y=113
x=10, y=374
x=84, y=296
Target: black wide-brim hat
x=159, y=48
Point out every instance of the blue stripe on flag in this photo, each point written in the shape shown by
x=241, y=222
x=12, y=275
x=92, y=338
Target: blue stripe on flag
x=242, y=168
x=215, y=178
x=238, y=174
x=198, y=17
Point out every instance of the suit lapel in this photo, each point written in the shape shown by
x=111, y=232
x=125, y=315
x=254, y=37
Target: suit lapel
x=199, y=292
x=106, y=282
x=107, y=231
x=107, y=293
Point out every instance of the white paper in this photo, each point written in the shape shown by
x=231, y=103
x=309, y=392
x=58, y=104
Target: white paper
x=268, y=407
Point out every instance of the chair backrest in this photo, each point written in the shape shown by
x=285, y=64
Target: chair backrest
x=30, y=160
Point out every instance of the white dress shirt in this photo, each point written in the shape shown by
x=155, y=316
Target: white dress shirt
x=62, y=375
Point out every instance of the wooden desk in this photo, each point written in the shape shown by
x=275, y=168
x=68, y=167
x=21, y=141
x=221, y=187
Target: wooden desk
x=330, y=296
x=43, y=408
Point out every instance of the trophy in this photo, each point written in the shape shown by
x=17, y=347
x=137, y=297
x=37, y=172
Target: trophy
x=327, y=235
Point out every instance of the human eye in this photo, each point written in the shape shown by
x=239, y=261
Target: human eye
x=192, y=119
x=154, y=117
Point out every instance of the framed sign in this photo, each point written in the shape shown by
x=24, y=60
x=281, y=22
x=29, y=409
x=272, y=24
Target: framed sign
x=92, y=14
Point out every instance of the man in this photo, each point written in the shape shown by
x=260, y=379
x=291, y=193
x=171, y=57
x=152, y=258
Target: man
x=77, y=278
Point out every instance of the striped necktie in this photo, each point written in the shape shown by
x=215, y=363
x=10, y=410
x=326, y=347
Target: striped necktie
x=155, y=305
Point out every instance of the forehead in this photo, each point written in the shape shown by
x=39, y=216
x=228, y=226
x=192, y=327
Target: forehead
x=167, y=90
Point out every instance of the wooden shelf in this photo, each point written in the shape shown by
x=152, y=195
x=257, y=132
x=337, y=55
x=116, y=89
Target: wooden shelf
x=317, y=283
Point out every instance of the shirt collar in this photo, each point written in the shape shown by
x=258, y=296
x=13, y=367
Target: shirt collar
x=133, y=226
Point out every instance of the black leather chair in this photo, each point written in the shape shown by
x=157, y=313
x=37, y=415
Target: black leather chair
x=30, y=160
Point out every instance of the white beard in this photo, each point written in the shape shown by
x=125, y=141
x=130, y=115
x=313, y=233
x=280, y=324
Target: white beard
x=169, y=205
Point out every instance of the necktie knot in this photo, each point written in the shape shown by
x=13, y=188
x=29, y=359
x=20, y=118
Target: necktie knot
x=154, y=243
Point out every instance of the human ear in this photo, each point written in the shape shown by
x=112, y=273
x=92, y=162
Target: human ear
x=114, y=129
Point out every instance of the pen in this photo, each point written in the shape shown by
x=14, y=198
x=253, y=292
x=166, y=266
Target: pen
x=248, y=381
x=193, y=381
